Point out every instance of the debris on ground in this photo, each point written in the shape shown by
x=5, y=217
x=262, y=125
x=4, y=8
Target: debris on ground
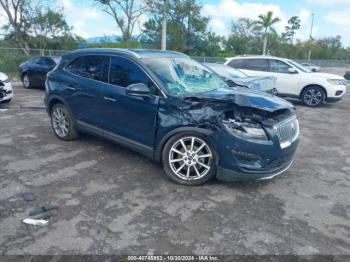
x=35, y=222
x=29, y=196
x=43, y=209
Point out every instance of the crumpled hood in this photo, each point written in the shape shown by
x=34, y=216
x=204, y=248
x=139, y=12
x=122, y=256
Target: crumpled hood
x=260, y=83
x=244, y=97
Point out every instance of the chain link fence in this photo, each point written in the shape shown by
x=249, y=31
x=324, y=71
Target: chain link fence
x=11, y=58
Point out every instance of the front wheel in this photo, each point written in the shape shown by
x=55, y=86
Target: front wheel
x=189, y=159
x=62, y=123
x=313, y=96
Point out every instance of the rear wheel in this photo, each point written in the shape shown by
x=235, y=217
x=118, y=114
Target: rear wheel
x=62, y=123
x=313, y=96
x=189, y=159
x=26, y=81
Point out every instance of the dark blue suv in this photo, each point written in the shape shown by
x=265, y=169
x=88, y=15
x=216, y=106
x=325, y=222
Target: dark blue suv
x=171, y=108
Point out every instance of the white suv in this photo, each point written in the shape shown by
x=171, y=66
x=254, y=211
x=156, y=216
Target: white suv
x=293, y=80
x=6, y=91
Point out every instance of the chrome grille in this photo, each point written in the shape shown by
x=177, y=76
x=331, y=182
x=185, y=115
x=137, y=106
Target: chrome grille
x=288, y=132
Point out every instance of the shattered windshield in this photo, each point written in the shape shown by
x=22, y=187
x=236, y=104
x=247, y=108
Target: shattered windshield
x=184, y=76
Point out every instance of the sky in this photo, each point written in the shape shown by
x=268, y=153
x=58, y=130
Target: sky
x=331, y=17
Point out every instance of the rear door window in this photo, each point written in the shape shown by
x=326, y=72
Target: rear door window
x=124, y=72
x=257, y=64
x=237, y=63
x=93, y=67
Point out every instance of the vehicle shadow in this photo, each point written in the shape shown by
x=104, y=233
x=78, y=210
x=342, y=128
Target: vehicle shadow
x=150, y=165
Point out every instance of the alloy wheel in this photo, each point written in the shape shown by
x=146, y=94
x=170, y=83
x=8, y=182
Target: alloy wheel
x=60, y=122
x=26, y=81
x=190, y=158
x=313, y=97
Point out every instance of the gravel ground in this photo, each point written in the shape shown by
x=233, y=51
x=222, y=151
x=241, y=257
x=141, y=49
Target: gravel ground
x=112, y=200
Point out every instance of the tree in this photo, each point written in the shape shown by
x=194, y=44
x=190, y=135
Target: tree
x=291, y=28
x=16, y=12
x=186, y=27
x=47, y=24
x=266, y=22
x=244, y=37
x=125, y=13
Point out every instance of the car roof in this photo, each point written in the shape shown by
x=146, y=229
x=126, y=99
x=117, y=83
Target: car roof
x=256, y=57
x=137, y=53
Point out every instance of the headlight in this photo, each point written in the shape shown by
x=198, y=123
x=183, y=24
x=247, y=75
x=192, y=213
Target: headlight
x=246, y=130
x=338, y=82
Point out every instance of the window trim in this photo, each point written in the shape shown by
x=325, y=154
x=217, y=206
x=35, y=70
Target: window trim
x=109, y=67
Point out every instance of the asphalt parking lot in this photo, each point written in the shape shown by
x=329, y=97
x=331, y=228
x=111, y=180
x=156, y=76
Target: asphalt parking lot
x=114, y=200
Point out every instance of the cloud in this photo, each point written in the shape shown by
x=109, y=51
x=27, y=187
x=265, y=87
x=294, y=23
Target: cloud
x=340, y=18
x=329, y=2
x=227, y=10
x=89, y=21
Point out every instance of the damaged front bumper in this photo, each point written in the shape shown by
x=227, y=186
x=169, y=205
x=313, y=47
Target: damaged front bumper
x=243, y=159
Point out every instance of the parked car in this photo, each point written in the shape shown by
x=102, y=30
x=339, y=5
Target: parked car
x=235, y=77
x=6, y=91
x=33, y=72
x=311, y=67
x=173, y=109
x=293, y=80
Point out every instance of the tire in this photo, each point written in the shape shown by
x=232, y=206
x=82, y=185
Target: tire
x=313, y=96
x=26, y=81
x=62, y=123
x=190, y=167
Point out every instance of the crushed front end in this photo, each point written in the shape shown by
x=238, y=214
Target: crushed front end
x=257, y=144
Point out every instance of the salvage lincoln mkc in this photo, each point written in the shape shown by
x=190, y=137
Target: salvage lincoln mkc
x=173, y=109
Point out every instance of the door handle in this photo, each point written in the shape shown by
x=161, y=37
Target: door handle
x=110, y=99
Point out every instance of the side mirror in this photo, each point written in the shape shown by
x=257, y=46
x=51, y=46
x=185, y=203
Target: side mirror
x=138, y=89
x=292, y=70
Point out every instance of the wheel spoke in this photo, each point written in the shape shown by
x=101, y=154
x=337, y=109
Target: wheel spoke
x=204, y=156
x=183, y=144
x=197, y=172
x=192, y=144
x=177, y=151
x=176, y=160
x=181, y=167
x=188, y=172
x=200, y=148
x=204, y=165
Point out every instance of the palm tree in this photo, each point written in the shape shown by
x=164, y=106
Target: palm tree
x=266, y=22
